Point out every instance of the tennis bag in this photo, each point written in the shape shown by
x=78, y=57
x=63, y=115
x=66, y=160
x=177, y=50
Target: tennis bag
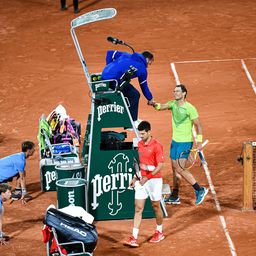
x=111, y=140
x=72, y=229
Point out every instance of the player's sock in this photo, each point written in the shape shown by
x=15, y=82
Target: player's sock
x=135, y=232
x=196, y=187
x=159, y=228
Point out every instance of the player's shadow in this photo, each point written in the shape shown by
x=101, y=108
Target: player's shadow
x=190, y=218
x=115, y=247
x=88, y=4
x=1, y=137
x=34, y=189
x=19, y=227
x=231, y=202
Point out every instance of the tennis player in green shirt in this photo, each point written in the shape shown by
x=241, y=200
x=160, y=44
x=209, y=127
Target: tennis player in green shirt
x=184, y=116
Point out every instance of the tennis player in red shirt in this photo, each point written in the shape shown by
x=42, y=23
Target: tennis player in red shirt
x=150, y=185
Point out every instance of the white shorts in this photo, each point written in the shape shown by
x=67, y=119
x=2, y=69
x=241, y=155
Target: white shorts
x=152, y=188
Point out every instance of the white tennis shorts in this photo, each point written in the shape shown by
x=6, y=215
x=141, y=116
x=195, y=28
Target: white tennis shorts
x=152, y=189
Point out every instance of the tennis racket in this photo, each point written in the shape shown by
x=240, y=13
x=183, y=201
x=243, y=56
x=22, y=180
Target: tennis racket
x=136, y=168
x=192, y=157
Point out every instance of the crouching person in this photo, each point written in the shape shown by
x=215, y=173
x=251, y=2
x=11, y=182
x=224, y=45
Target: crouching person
x=13, y=166
x=5, y=194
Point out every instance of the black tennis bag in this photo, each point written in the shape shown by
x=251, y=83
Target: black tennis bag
x=71, y=229
x=111, y=140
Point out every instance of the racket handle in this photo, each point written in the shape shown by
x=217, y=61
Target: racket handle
x=137, y=176
x=204, y=143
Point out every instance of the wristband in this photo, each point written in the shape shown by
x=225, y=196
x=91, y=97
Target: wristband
x=199, y=138
x=23, y=192
x=158, y=106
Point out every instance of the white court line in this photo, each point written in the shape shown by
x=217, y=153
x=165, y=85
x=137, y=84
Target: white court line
x=208, y=176
x=248, y=76
x=203, y=61
x=177, y=80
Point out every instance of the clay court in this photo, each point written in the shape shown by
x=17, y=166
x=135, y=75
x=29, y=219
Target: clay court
x=40, y=69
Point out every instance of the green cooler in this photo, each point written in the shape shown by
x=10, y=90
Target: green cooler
x=48, y=171
x=71, y=191
x=70, y=170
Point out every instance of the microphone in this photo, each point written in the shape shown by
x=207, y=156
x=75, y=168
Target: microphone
x=115, y=40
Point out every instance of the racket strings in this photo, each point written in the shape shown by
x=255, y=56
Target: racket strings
x=192, y=158
x=187, y=159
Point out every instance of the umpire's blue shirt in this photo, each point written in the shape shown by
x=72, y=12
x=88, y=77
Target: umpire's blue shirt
x=119, y=62
x=12, y=165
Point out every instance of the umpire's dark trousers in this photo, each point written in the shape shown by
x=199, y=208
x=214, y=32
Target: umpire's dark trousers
x=133, y=96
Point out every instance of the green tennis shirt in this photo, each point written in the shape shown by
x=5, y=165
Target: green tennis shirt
x=182, y=123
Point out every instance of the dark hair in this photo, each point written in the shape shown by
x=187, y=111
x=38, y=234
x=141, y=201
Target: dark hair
x=144, y=125
x=4, y=187
x=183, y=89
x=148, y=54
x=26, y=145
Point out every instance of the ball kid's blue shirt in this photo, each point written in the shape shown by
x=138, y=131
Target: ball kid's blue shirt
x=119, y=62
x=12, y=165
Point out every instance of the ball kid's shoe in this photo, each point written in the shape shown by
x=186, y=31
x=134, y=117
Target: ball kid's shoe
x=63, y=8
x=16, y=195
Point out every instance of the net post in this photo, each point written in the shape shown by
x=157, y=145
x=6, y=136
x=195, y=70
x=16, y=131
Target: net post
x=248, y=177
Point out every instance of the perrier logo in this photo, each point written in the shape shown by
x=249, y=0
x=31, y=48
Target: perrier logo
x=114, y=183
x=109, y=108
